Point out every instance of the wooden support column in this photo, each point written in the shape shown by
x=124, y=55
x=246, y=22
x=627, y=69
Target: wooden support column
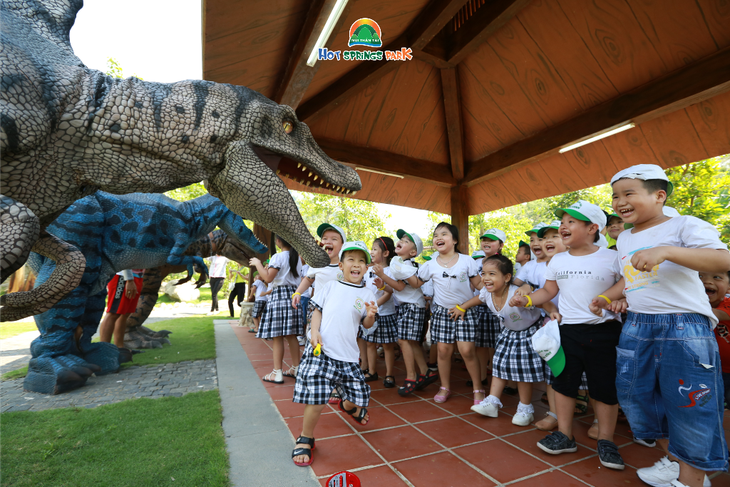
x=460, y=216
x=454, y=122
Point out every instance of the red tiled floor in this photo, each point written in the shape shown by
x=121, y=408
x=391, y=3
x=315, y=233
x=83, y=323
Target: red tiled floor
x=399, y=443
x=499, y=426
x=452, y=432
x=555, y=478
x=591, y=471
x=442, y=469
x=337, y=454
x=281, y=392
x=528, y=442
x=289, y=409
x=501, y=460
x=639, y=456
x=390, y=396
x=414, y=412
x=328, y=425
x=383, y=476
x=380, y=418
x=456, y=404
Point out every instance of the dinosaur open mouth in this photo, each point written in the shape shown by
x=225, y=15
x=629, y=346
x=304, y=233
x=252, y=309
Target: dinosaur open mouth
x=297, y=171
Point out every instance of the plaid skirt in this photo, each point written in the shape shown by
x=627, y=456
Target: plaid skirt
x=490, y=326
x=411, y=321
x=514, y=357
x=446, y=330
x=280, y=318
x=259, y=307
x=386, y=331
x=318, y=376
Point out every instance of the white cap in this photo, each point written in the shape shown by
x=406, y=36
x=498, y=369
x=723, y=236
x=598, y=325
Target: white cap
x=588, y=212
x=478, y=254
x=644, y=172
x=535, y=229
x=329, y=226
x=495, y=234
x=355, y=245
x=546, y=342
x=555, y=225
x=414, y=238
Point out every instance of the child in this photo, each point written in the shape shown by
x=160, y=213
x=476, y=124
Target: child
x=668, y=311
x=452, y=274
x=386, y=333
x=341, y=306
x=614, y=227
x=523, y=255
x=123, y=293
x=531, y=272
x=411, y=310
x=716, y=286
x=258, y=290
x=514, y=358
x=589, y=341
x=281, y=322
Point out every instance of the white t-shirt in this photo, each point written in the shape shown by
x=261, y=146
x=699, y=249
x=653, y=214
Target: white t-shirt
x=343, y=308
x=217, y=266
x=409, y=294
x=427, y=290
x=285, y=277
x=260, y=289
x=516, y=319
x=388, y=307
x=580, y=279
x=323, y=275
x=668, y=287
x=533, y=273
x=451, y=285
x=308, y=292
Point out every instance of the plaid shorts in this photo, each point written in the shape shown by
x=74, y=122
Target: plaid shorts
x=489, y=329
x=318, y=376
x=514, y=357
x=446, y=330
x=280, y=318
x=411, y=320
x=259, y=307
x=386, y=331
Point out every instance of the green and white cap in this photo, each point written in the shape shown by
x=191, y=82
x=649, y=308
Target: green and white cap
x=478, y=254
x=546, y=342
x=644, y=172
x=535, y=229
x=585, y=211
x=329, y=226
x=356, y=245
x=432, y=256
x=523, y=244
x=555, y=224
x=495, y=234
x=413, y=238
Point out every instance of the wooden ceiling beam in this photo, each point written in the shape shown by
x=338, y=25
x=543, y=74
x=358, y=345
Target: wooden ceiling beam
x=387, y=162
x=454, y=120
x=298, y=76
x=687, y=86
x=429, y=22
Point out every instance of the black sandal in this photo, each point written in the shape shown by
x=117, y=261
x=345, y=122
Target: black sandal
x=304, y=451
x=407, y=388
x=351, y=412
x=371, y=377
x=425, y=380
x=389, y=381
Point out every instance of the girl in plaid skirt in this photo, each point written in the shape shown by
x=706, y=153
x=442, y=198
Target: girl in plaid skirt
x=514, y=357
x=281, y=321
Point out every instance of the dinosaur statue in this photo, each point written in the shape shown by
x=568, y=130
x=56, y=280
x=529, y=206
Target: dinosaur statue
x=139, y=336
x=67, y=131
x=115, y=233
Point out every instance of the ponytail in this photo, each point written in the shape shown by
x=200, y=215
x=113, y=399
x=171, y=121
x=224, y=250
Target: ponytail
x=293, y=256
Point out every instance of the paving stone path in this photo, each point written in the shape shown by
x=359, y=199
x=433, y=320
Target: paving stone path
x=151, y=381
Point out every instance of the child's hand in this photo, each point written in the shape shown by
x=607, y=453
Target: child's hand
x=517, y=300
x=378, y=282
x=598, y=304
x=619, y=306
x=295, y=299
x=456, y=314
x=130, y=289
x=316, y=338
x=254, y=262
x=645, y=260
x=378, y=270
x=556, y=316
x=372, y=308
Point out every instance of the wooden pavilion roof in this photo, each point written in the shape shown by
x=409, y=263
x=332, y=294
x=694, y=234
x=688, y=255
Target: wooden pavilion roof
x=495, y=88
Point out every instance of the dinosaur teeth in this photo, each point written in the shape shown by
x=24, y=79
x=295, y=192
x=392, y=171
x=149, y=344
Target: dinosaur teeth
x=315, y=176
x=310, y=174
x=304, y=168
x=354, y=193
x=278, y=171
x=299, y=164
x=328, y=185
x=308, y=183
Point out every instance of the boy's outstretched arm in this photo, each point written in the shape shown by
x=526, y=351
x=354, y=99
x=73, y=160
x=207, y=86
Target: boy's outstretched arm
x=702, y=260
x=548, y=292
x=607, y=297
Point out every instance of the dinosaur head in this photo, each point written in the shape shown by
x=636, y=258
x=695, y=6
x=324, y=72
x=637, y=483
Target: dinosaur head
x=274, y=144
x=239, y=240
x=229, y=247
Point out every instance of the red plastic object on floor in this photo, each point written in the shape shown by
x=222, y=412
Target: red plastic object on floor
x=343, y=479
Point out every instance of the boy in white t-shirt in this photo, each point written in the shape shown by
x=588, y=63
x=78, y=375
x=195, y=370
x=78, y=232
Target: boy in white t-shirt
x=340, y=308
x=669, y=377
x=258, y=291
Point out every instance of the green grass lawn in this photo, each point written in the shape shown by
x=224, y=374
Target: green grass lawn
x=138, y=442
x=11, y=329
x=205, y=296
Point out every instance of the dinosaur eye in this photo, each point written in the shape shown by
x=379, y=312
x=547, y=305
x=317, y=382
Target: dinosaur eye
x=288, y=127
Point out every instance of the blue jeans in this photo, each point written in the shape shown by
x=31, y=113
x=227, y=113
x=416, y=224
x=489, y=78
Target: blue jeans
x=669, y=384
x=303, y=307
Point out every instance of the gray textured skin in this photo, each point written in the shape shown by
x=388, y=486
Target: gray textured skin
x=67, y=131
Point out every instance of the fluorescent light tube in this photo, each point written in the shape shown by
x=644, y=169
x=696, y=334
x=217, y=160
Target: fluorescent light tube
x=379, y=172
x=326, y=30
x=598, y=137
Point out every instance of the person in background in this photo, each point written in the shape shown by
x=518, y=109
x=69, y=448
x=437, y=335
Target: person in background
x=523, y=255
x=123, y=294
x=217, y=274
x=238, y=276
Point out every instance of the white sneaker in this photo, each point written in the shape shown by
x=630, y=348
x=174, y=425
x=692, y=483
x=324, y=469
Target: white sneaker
x=523, y=419
x=664, y=473
x=486, y=409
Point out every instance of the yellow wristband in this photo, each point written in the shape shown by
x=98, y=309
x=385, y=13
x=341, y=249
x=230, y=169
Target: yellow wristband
x=296, y=294
x=529, y=301
x=381, y=288
x=460, y=308
x=604, y=297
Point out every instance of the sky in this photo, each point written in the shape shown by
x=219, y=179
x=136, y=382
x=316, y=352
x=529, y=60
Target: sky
x=161, y=40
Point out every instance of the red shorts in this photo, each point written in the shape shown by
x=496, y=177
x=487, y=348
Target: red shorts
x=117, y=301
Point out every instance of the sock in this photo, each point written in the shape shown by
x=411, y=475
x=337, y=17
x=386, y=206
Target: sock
x=525, y=409
x=490, y=399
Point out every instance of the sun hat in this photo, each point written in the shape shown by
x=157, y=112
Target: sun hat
x=413, y=238
x=478, y=254
x=355, y=245
x=585, y=211
x=523, y=244
x=546, y=342
x=495, y=234
x=329, y=226
x=644, y=172
x=535, y=229
x=555, y=224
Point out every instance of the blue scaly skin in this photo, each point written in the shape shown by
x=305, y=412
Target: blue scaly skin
x=115, y=233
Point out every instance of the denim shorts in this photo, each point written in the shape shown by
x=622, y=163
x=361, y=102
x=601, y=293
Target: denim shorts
x=669, y=384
